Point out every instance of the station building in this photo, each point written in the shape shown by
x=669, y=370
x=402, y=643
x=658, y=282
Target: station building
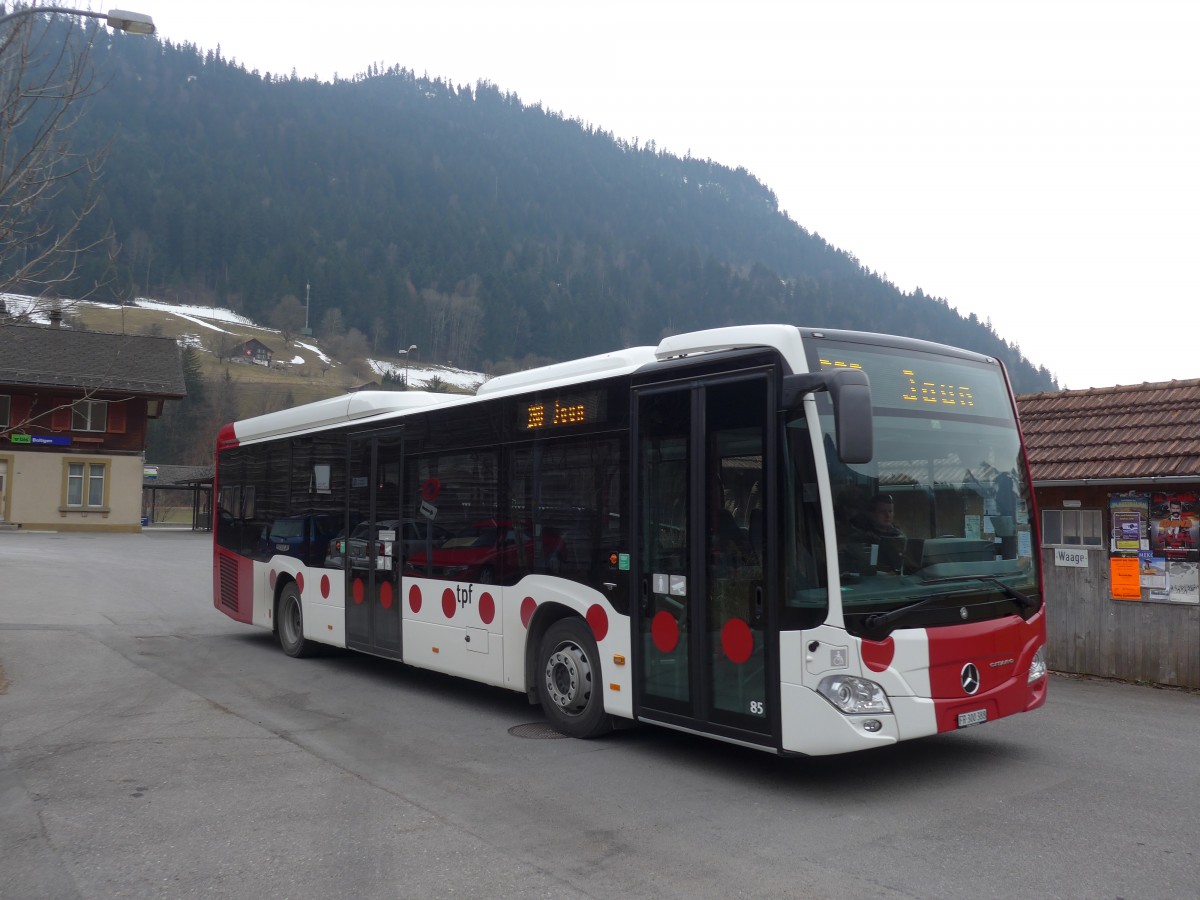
x=74, y=407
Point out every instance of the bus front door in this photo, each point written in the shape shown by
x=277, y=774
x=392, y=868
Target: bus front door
x=374, y=546
x=703, y=499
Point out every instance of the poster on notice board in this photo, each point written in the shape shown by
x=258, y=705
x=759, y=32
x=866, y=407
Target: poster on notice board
x=1125, y=577
x=1175, y=526
x=1129, y=516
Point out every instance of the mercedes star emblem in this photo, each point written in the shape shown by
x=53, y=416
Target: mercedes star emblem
x=970, y=678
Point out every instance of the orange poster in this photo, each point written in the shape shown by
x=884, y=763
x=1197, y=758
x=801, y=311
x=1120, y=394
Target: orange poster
x=1125, y=578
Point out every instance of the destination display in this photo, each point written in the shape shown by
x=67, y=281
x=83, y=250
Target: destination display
x=903, y=380
x=565, y=411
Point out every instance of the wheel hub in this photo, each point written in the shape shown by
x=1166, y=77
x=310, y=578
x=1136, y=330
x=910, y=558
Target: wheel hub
x=568, y=678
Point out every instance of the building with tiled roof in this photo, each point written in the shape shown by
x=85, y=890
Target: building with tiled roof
x=74, y=407
x=1143, y=431
x=1116, y=473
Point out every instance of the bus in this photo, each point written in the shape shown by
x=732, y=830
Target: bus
x=683, y=535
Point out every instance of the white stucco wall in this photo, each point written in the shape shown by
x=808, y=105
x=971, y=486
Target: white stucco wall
x=37, y=492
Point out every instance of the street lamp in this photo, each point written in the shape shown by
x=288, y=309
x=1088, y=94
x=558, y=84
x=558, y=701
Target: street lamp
x=118, y=19
x=406, y=353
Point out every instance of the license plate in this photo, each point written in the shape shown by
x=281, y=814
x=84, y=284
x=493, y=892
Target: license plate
x=282, y=548
x=974, y=717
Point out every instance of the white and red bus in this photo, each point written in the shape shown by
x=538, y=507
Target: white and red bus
x=679, y=535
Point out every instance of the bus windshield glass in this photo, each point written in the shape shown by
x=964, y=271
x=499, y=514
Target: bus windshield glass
x=936, y=529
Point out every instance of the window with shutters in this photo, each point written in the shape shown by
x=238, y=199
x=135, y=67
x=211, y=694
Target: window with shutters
x=89, y=415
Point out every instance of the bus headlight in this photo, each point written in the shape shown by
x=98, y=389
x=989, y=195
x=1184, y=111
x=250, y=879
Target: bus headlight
x=1037, y=668
x=854, y=696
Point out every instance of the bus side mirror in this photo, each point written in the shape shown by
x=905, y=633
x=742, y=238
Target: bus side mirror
x=850, y=390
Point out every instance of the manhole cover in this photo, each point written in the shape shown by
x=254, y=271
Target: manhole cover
x=535, y=731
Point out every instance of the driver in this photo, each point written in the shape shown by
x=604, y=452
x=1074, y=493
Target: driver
x=877, y=525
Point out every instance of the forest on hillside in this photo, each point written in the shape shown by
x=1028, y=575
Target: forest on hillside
x=490, y=232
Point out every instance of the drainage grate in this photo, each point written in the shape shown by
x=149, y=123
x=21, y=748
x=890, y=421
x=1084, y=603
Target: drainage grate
x=535, y=731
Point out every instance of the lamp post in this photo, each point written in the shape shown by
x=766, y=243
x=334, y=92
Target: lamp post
x=118, y=19
x=406, y=353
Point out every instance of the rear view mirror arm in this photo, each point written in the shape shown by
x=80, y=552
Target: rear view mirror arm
x=850, y=390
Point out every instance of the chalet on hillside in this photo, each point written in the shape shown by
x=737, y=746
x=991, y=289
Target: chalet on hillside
x=253, y=351
x=1116, y=472
x=74, y=406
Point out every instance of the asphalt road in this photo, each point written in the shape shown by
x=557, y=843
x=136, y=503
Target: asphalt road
x=151, y=747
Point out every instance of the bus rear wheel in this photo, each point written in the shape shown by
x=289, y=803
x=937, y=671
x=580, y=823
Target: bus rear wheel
x=569, y=682
x=290, y=624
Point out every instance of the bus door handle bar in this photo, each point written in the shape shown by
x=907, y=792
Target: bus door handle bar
x=757, y=602
x=646, y=600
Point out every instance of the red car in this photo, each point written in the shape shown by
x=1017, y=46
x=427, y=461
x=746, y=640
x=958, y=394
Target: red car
x=491, y=551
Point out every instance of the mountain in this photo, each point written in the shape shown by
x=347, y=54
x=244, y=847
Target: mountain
x=490, y=232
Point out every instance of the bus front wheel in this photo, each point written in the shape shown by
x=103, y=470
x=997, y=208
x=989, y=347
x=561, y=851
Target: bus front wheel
x=290, y=624
x=568, y=680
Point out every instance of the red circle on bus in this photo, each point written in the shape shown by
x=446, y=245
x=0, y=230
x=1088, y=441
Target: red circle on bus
x=448, y=603
x=414, y=598
x=665, y=631
x=878, y=655
x=487, y=608
x=430, y=489
x=325, y=586
x=385, y=595
x=737, y=640
x=357, y=590
x=597, y=620
x=300, y=581
x=528, y=607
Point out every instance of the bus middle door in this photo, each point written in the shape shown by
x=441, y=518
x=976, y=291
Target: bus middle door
x=375, y=546
x=701, y=629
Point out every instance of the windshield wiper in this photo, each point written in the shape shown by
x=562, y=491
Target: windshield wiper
x=875, y=620
x=878, y=620
x=1022, y=599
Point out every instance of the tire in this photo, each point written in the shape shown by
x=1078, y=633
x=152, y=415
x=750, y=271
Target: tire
x=569, y=681
x=289, y=624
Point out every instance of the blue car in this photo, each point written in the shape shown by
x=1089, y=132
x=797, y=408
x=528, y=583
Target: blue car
x=304, y=537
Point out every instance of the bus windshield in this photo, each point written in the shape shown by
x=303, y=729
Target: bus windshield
x=936, y=529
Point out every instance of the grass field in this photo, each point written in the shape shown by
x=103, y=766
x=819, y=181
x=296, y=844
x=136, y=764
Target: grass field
x=299, y=372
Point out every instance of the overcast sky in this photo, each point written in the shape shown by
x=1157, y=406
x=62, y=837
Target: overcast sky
x=1035, y=163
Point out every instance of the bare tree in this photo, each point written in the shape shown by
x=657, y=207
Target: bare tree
x=222, y=344
x=333, y=323
x=379, y=333
x=455, y=321
x=45, y=75
x=288, y=316
x=352, y=350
